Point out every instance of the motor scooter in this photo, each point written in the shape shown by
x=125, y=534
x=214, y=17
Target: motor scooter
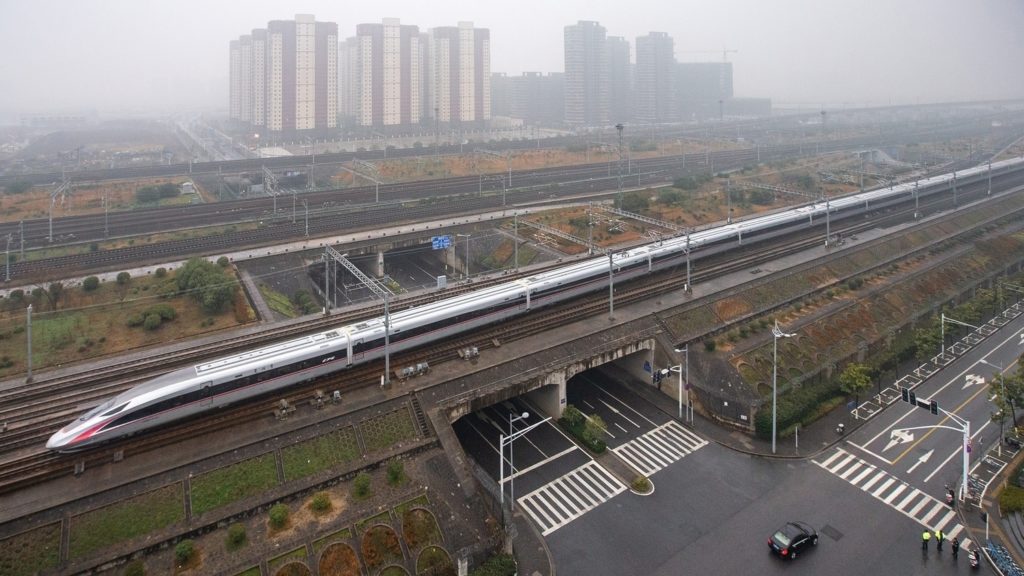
x=974, y=558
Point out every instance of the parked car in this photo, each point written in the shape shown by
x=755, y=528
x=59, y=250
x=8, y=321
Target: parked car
x=793, y=538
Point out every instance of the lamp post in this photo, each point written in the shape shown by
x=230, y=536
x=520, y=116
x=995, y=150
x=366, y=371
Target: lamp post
x=681, y=370
x=776, y=333
x=507, y=441
x=1002, y=386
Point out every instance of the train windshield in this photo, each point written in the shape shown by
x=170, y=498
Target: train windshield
x=97, y=410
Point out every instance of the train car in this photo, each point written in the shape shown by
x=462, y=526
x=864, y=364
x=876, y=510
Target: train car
x=223, y=381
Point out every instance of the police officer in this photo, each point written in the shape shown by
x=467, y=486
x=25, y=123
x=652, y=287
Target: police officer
x=939, y=537
x=956, y=546
x=925, y=537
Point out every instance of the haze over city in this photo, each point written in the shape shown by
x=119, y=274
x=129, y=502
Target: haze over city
x=152, y=57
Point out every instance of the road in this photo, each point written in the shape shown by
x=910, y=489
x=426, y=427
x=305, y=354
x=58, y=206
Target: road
x=713, y=508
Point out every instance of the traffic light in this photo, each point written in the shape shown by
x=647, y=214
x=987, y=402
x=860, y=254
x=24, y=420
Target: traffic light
x=905, y=392
x=933, y=406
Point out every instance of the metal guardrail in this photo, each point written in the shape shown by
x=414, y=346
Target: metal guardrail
x=890, y=394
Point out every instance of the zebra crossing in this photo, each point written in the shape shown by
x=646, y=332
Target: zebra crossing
x=567, y=498
x=660, y=447
x=895, y=493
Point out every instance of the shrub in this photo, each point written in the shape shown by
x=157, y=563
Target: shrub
x=236, y=535
x=278, y=516
x=710, y=345
x=17, y=295
x=223, y=262
x=134, y=320
x=90, y=283
x=123, y=278
x=641, y=484
x=572, y=416
x=165, y=311
x=500, y=565
x=396, y=471
x=184, y=551
x=161, y=272
x=1011, y=499
x=94, y=247
x=18, y=187
x=152, y=321
x=321, y=502
x=361, y=485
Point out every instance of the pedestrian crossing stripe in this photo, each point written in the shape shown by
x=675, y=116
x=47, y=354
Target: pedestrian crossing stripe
x=915, y=504
x=660, y=447
x=570, y=496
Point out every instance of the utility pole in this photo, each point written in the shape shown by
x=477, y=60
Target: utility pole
x=28, y=339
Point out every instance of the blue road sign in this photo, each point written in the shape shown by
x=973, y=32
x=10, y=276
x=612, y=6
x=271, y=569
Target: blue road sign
x=440, y=242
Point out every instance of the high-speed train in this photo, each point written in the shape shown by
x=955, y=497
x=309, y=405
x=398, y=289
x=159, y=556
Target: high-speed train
x=216, y=383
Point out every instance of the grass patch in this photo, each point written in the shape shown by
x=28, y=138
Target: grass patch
x=387, y=429
x=382, y=518
x=420, y=501
x=393, y=571
x=419, y=528
x=380, y=547
x=30, y=551
x=320, y=453
x=232, y=483
x=120, y=521
x=277, y=301
x=254, y=571
x=299, y=554
x=434, y=560
x=339, y=536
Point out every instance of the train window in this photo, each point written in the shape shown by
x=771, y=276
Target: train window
x=97, y=410
x=331, y=334
x=113, y=411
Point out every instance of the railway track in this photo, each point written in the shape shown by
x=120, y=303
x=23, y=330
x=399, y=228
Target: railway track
x=27, y=463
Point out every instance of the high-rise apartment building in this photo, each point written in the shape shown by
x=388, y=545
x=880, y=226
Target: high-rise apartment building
x=382, y=77
x=586, y=75
x=655, y=64
x=620, y=81
x=284, y=79
x=459, y=73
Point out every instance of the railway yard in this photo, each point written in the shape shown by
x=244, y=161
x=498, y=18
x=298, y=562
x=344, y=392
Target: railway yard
x=369, y=472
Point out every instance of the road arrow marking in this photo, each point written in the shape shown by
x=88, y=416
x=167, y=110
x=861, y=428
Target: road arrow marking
x=899, y=437
x=924, y=458
x=972, y=380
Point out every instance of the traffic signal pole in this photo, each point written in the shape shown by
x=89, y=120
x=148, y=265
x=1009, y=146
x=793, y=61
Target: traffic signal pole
x=965, y=428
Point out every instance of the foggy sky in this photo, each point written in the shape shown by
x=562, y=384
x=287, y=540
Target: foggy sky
x=138, y=56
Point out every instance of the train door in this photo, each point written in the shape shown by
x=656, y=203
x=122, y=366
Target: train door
x=206, y=394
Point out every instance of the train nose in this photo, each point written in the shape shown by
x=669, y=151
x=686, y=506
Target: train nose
x=59, y=440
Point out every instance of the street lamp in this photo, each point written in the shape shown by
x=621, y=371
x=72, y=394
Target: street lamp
x=512, y=418
x=507, y=441
x=777, y=333
x=684, y=369
x=1002, y=388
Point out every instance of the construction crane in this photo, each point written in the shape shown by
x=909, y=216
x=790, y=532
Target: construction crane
x=725, y=53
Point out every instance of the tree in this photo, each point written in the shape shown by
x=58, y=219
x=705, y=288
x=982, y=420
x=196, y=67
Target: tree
x=855, y=379
x=184, y=551
x=927, y=341
x=208, y=284
x=54, y=293
x=90, y=283
x=123, y=283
